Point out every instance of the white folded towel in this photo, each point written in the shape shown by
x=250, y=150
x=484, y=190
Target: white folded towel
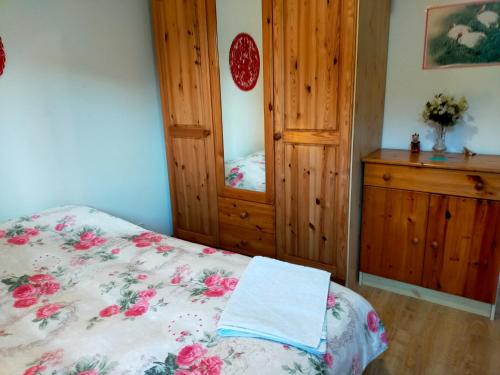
x=279, y=301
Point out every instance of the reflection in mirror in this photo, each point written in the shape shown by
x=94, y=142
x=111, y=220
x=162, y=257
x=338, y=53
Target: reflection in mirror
x=239, y=40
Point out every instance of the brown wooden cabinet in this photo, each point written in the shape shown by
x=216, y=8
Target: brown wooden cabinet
x=394, y=232
x=414, y=233
x=323, y=79
x=462, y=254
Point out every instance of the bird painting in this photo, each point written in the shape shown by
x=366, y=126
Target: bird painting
x=463, y=34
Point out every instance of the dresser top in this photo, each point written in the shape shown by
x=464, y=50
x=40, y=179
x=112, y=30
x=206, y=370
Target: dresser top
x=479, y=163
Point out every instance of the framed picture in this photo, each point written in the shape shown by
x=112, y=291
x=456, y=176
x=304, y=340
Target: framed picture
x=466, y=34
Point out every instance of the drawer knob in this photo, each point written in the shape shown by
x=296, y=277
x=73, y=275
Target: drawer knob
x=479, y=186
x=244, y=215
x=415, y=240
x=434, y=245
x=244, y=243
x=386, y=176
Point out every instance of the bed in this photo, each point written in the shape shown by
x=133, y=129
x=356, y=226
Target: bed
x=248, y=172
x=83, y=292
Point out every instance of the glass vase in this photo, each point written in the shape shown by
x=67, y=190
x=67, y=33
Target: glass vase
x=440, y=145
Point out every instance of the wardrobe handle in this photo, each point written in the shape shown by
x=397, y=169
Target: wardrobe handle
x=415, y=240
x=386, y=176
x=434, y=245
x=244, y=215
x=277, y=136
x=479, y=186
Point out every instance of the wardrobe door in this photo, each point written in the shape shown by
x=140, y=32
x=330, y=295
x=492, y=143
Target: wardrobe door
x=180, y=28
x=393, y=233
x=462, y=254
x=314, y=49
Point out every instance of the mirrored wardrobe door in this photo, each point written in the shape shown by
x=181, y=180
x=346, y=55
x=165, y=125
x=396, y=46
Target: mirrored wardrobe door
x=242, y=73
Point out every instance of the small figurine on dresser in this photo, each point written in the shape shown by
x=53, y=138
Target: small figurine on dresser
x=415, y=143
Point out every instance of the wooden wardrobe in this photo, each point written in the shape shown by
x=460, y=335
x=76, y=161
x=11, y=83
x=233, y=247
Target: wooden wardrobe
x=323, y=70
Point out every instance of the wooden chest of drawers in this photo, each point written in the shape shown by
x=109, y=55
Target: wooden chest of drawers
x=247, y=227
x=433, y=223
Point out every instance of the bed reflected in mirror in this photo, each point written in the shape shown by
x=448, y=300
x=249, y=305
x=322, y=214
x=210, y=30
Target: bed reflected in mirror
x=239, y=41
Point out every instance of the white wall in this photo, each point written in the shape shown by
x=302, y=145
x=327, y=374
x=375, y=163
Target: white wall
x=409, y=87
x=242, y=111
x=80, y=119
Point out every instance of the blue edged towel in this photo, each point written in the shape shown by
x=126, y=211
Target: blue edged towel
x=281, y=302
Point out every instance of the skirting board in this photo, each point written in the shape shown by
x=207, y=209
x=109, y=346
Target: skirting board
x=425, y=294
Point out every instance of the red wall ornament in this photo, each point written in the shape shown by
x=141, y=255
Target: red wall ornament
x=2, y=57
x=244, y=61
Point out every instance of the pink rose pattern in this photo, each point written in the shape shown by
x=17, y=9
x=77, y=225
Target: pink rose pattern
x=235, y=177
x=66, y=222
x=86, y=239
x=145, y=239
x=334, y=306
x=19, y=235
x=374, y=326
x=190, y=353
x=50, y=363
x=194, y=359
x=213, y=283
x=132, y=303
x=46, y=313
x=181, y=272
x=28, y=290
x=133, y=292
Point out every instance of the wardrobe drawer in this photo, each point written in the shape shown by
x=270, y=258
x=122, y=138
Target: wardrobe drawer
x=247, y=215
x=434, y=180
x=247, y=241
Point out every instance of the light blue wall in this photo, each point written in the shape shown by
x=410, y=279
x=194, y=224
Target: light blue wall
x=80, y=117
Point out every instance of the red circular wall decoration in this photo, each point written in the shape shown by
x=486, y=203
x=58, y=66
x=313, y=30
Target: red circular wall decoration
x=2, y=57
x=244, y=61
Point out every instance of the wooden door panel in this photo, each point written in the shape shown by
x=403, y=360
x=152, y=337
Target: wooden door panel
x=449, y=240
x=185, y=48
x=312, y=48
x=310, y=187
x=393, y=234
x=484, y=257
x=461, y=251
x=192, y=185
x=180, y=28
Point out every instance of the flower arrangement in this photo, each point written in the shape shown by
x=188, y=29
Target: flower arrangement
x=443, y=111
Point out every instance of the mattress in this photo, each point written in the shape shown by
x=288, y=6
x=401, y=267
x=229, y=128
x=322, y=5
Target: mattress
x=83, y=292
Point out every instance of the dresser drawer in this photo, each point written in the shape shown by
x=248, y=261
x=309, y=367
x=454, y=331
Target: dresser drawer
x=247, y=227
x=247, y=215
x=434, y=180
x=247, y=241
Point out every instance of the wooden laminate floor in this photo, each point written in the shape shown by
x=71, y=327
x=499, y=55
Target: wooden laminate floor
x=430, y=339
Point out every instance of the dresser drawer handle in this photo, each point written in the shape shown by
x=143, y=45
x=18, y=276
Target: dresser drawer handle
x=479, y=186
x=386, y=176
x=415, y=241
x=244, y=215
x=434, y=245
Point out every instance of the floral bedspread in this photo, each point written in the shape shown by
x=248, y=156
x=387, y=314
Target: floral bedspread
x=247, y=173
x=86, y=293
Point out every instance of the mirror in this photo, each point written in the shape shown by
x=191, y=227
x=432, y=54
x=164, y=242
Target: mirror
x=239, y=42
